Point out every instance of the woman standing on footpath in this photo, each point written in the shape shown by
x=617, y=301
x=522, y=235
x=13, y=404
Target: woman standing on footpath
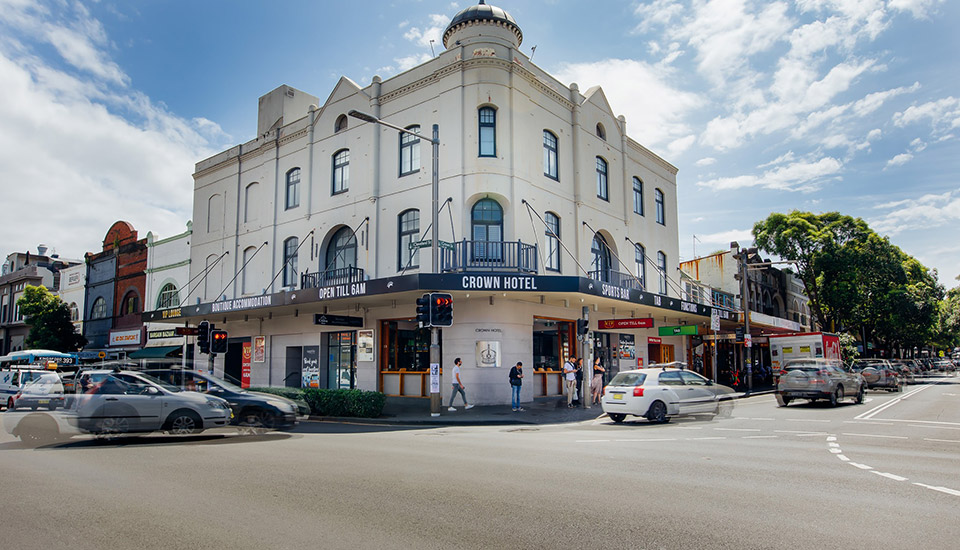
x=516, y=382
x=597, y=384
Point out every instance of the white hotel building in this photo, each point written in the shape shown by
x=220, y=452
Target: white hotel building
x=547, y=208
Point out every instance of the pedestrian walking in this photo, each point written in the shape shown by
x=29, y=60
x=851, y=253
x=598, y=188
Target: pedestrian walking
x=516, y=382
x=458, y=387
x=579, y=376
x=597, y=384
x=570, y=380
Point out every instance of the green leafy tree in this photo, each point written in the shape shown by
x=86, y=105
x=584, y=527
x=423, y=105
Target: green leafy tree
x=947, y=333
x=49, y=319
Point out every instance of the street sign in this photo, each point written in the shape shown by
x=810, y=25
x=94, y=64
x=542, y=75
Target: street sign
x=715, y=319
x=419, y=244
x=682, y=330
x=446, y=245
x=739, y=332
x=747, y=340
x=187, y=331
x=610, y=324
x=158, y=334
x=338, y=320
x=101, y=355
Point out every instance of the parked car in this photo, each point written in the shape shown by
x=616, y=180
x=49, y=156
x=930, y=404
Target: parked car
x=249, y=408
x=878, y=373
x=117, y=402
x=815, y=379
x=905, y=371
x=45, y=391
x=658, y=394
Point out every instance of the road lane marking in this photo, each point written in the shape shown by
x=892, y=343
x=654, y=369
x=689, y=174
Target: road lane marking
x=843, y=458
x=799, y=433
x=835, y=451
x=593, y=441
x=738, y=429
x=880, y=408
x=882, y=436
x=832, y=438
x=690, y=427
x=946, y=490
x=760, y=437
x=832, y=444
x=705, y=438
x=943, y=440
x=933, y=427
x=651, y=439
x=874, y=423
x=890, y=476
x=861, y=466
x=807, y=420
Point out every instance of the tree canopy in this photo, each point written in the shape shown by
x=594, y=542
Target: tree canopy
x=49, y=320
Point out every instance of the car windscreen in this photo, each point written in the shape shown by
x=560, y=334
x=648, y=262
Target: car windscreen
x=157, y=381
x=44, y=384
x=628, y=379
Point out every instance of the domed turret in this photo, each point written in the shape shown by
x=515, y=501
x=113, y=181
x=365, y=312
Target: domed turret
x=481, y=14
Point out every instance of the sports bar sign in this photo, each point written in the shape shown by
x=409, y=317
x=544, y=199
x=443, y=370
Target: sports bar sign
x=610, y=324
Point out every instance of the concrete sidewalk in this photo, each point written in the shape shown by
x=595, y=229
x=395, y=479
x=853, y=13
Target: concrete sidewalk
x=543, y=410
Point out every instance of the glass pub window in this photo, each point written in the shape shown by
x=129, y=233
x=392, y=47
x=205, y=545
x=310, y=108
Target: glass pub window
x=341, y=171
x=488, y=132
x=409, y=151
x=550, y=155
x=602, y=188
x=293, y=188
x=409, y=221
x=553, y=241
x=290, y=261
x=661, y=213
x=637, y=196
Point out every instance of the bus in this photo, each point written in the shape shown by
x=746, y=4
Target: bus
x=40, y=357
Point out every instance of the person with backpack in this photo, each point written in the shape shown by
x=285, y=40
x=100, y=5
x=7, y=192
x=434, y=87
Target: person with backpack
x=570, y=380
x=516, y=382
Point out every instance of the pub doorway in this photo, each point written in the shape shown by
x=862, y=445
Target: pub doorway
x=554, y=340
x=341, y=360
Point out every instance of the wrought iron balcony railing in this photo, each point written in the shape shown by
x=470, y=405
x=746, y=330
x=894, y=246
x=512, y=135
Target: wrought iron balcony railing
x=489, y=256
x=617, y=278
x=331, y=277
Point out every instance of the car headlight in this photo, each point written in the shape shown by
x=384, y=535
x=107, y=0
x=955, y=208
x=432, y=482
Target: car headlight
x=217, y=404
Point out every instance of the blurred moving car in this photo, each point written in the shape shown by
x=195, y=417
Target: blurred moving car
x=904, y=370
x=117, y=402
x=249, y=408
x=44, y=391
x=13, y=380
x=878, y=373
x=815, y=379
x=659, y=393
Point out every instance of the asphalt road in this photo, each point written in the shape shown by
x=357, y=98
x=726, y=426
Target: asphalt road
x=879, y=475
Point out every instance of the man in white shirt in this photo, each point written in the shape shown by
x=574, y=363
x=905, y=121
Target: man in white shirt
x=570, y=380
x=458, y=387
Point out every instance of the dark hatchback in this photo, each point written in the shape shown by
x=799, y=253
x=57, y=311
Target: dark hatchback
x=249, y=408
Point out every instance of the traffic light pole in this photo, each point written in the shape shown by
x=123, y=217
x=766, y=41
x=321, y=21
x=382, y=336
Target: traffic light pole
x=435, y=398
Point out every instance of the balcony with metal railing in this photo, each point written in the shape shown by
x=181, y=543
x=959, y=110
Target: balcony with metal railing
x=626, y=280
x=507, y=256
x=332, y=277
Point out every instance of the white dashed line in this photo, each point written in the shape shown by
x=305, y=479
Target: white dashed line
x=933, y=427
x=835, y=451
x=808, y=420
x=861, y=466
x=759, y=437
x=943, y=440
x=946, y=490
x=843, y=458
x=632, y=440
x=832, y=438
x=865, y=422
x=737, y=429
x=832, y=444
x=705, y=438
x=593, y=441
x=890, y=476
x=882, y=436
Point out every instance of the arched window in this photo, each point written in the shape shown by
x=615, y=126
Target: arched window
x=341, y=171
x=552, y=241
x=603, y=190
x=601, y=132
x=662, y=264
x=341, y=253
x=293, y=188
x=130, y=304
x=340, y=124
x=250, y=202
x=637, y=196
x=486, y=228
x=488, y=131
x=74, y=312
x=169, y=296
x=661, y=212
x=248, y=275
x=290, y=267
x=641, y=259
x=409, y=232
x=600, y=258
x=214, y=213
x=99, y=309
x=409, y=151
x=550, y=155
x=211, y=281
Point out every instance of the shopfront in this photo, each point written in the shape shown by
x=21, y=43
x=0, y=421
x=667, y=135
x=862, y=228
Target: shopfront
x=554, y=340
x=404, y=363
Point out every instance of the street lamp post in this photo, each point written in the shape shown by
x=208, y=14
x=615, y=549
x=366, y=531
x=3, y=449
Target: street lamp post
x=741, y=255
x=435, y=400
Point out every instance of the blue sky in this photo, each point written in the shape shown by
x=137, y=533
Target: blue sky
x=764, y=106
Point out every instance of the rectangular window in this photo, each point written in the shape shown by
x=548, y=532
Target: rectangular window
x=661, y=214
x=341, y=171
x=488, y=132
x=662, y=264
x=602, y=189
x=553, y=242
x=293, y=188
x=290, y=262
x=409, y=233
x=641, y=260
x=637, y=196
x=550, y=155
x=409, y=151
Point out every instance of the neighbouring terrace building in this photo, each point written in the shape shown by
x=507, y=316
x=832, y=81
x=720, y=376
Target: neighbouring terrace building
x=308, y=241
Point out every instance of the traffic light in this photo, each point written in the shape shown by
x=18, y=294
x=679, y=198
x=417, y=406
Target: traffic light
x=441, y=309
x=423, y=310
x=203, y=337
x=582, y=327
x=218, y=341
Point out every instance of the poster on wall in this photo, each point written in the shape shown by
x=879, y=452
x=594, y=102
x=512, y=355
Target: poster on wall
x=364, y=345
x=245, y=365
x=627, y=347
x=259, y=349
x=311, y=367
x=488, y=353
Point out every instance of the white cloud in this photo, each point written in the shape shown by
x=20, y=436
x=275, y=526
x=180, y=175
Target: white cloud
x=798, y=176
x=925, y=213
x=101, y=150
x=706, y=161
x=622, y=80
x=919, y=9
x=942, y=114
x=899, y=160
x=411, y=61
x=742, y=236
x=432, y=31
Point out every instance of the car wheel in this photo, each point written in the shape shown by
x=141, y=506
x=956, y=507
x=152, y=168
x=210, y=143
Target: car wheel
x=256, y=421
x=657, y=413
x=183, y=423
x=112, y=427
x=11, y=404
x=860, y=393
x=836, y=396
x=34, y=431
x=617, y=417
x=782, y=400
x=725, y=409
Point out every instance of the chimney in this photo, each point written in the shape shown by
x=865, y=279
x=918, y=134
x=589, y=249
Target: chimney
x=42, y=249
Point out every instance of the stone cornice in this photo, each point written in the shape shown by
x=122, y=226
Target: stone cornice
x=166, y=267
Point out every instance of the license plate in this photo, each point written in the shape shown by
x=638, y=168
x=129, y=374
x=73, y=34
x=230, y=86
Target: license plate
x=43, y=401
x=618, y=396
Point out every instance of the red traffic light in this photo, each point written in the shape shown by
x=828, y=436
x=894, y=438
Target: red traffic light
x=219, y=335
x=443, y=300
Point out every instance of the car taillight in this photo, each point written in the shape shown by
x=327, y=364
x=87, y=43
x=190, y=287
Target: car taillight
x=638, y=391
x=605, y=390
x=783, y=373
